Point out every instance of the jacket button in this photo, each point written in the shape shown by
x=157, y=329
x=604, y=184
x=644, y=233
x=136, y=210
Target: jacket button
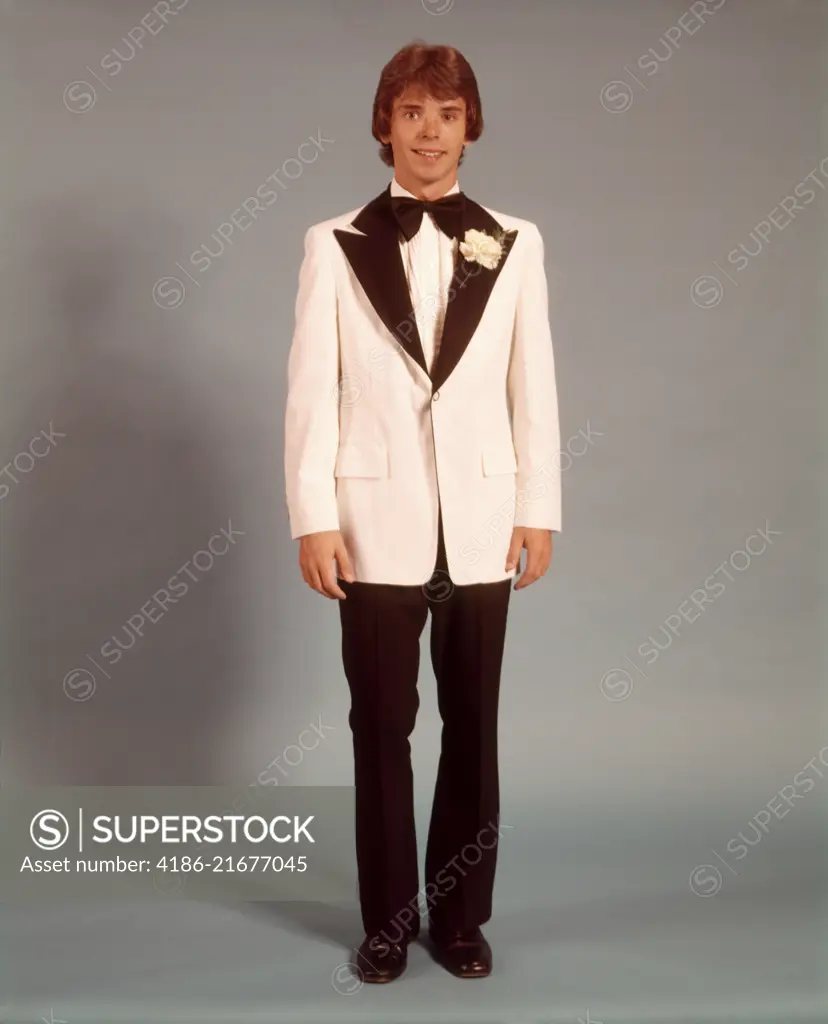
x=435, y=396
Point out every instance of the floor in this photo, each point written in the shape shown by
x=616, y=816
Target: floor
x=614, y=935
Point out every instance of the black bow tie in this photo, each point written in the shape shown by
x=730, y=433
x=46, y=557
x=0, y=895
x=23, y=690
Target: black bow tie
x=447, y=213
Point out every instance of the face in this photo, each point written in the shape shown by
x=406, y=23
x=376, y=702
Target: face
x=428, y=137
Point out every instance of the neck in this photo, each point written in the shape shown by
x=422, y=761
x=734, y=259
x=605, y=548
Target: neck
x=426, y=190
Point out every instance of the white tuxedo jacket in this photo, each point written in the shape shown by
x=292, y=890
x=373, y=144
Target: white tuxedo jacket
x=376, y=447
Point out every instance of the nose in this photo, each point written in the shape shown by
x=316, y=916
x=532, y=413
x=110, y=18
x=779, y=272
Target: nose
x=429, y=130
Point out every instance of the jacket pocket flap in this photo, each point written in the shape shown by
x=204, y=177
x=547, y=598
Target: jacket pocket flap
x=499, y=459
x=367, y=460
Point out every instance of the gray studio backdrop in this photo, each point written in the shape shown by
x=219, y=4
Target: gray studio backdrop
x=663, y=728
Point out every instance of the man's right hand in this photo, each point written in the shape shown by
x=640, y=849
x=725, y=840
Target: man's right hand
x=317, y=553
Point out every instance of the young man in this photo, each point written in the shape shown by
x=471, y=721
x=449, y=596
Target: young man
x=421, y=437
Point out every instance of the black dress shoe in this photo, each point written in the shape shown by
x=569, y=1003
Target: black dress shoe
x=465, y=954
x=379, y=960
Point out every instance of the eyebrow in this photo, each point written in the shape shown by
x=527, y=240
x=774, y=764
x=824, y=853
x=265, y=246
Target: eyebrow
x=450, y=107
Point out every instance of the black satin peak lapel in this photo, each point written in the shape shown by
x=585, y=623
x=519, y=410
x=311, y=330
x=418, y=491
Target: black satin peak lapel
x=471, y=286
x=376, y=260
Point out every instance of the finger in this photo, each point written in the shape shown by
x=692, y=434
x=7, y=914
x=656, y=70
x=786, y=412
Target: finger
x=315, y=581
x=526, y=579
x=532, y=571
x=541, y=565
x=343, y=560
x=513, y=556
x=331, y=587
x=304, y=570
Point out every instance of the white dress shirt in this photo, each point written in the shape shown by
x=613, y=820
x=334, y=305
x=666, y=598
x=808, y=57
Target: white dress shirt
x=428, y=259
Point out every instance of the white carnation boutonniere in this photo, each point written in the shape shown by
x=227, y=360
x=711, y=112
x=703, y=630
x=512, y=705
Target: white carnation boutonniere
x=483, y=248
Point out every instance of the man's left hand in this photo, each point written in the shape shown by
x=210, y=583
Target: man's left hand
x=538, y=544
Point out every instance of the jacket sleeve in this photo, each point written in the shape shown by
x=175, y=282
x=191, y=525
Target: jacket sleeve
x=533, y=397
x=312, y=413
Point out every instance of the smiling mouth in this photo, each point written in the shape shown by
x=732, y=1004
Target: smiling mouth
x=429, y=154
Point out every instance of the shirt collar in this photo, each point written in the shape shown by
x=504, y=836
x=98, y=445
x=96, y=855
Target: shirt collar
x=398, y=190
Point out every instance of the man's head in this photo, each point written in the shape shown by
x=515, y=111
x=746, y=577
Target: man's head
x=427, y=102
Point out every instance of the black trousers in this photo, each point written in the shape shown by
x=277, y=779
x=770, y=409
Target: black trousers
x=381, y=628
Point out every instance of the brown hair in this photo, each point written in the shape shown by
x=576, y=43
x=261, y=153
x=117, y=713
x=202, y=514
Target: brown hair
x=442, y=71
